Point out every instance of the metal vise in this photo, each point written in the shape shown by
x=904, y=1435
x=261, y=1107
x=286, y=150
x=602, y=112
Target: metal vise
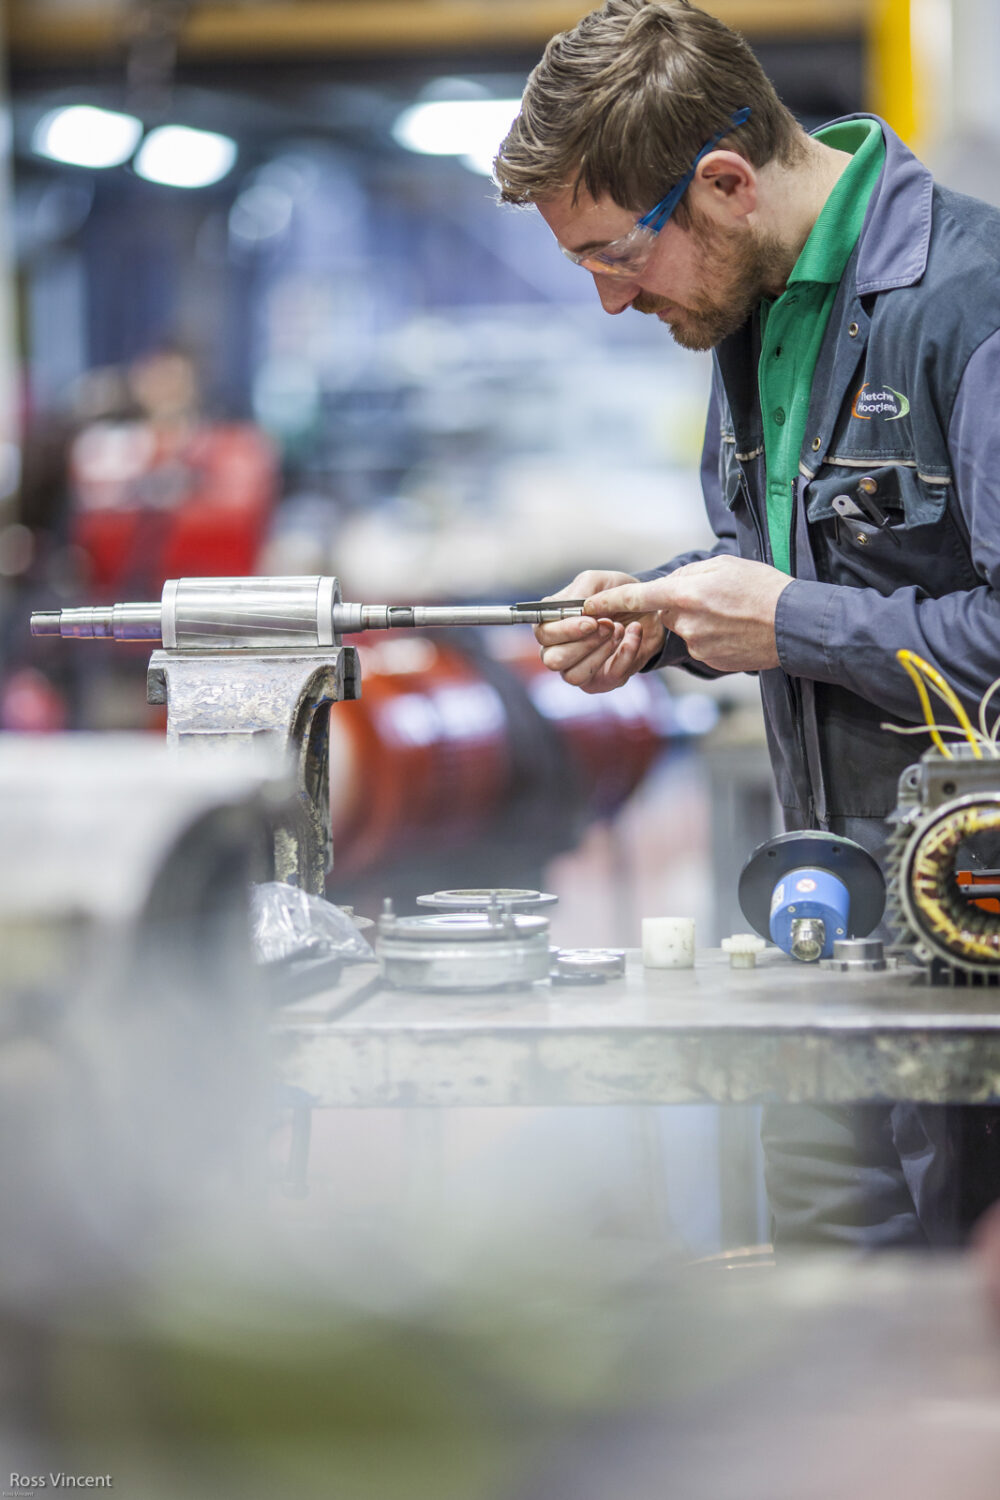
x=260, y=661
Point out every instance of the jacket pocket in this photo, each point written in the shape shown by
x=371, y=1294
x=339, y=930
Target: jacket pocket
x=896, y=490
x=886, y=527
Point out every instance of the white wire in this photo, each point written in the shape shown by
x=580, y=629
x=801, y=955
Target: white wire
x=984, y=700
x=953, y=729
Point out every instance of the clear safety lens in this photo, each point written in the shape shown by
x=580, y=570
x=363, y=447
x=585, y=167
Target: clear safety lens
x=625, y=257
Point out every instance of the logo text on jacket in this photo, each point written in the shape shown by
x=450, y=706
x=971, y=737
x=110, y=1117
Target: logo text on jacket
x=879, y=401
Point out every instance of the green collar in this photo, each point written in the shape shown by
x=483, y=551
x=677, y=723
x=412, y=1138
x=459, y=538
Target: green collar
x=835, y=233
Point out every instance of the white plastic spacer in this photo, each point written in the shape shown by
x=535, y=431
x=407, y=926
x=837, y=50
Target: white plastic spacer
x=668, y=942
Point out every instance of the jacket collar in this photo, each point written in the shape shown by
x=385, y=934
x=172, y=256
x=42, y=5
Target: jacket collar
x=892, y=251
x=895, y=236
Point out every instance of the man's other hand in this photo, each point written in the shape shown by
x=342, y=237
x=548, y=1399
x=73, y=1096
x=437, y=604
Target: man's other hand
x=722, y=607
x=598, y=654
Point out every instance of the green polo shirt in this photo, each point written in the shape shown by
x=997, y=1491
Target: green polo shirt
x=793, y=325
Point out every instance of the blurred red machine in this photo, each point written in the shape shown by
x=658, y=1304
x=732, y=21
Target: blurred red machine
x=454, y=746
x=150, y=502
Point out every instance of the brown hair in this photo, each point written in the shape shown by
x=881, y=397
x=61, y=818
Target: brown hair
x=622, y=104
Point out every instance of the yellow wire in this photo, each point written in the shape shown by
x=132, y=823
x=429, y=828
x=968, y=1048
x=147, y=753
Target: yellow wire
x=914, y=664
x=903, y=657
x=947, y=694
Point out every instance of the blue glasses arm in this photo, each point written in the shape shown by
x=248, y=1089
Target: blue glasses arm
x=660, y=213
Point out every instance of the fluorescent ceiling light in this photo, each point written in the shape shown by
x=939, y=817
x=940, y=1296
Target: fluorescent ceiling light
x=482, y=160
x=470, y=128
x=181, y=157
x=84, y=136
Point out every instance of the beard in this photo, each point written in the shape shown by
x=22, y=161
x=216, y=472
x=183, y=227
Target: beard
x=740, y=268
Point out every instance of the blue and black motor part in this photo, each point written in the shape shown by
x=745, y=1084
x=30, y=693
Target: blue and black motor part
x=805, y=891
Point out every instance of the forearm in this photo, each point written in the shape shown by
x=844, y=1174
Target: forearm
x=850, y=636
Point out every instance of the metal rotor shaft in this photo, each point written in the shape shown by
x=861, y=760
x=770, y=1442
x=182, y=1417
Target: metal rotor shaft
x=274, y=612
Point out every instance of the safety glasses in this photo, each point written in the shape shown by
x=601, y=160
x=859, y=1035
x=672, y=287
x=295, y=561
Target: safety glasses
x=627, y=256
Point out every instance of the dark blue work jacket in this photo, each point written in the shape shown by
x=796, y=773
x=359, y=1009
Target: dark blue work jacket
x=904, y=434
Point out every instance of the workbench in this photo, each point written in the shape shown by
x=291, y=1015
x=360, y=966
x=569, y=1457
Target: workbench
x=712, y=1034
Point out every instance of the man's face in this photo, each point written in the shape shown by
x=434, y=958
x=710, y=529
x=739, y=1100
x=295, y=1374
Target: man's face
x=703, y=281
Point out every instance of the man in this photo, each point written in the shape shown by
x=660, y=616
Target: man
x=851, y=473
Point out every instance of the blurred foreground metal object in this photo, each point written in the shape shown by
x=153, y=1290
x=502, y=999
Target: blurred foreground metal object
x=285, y=635
x=131, y=1033
x=95, y=828
x=539, y=1370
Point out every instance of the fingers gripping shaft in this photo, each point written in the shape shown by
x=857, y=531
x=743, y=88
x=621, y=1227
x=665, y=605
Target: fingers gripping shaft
x=257, y=614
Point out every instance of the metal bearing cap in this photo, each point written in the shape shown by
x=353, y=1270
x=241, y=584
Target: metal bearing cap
x=463, y=950
x=858, y=956
x=508, y=898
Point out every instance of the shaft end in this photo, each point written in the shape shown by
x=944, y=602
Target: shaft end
x=46, y=623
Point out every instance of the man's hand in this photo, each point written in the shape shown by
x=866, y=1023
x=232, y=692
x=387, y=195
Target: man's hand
x=722, y=607
x=598, y=654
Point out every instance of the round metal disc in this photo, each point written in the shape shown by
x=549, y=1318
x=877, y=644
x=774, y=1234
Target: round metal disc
x=777, y=857
x=588, y=963
x=509, y=898
x=461, y=927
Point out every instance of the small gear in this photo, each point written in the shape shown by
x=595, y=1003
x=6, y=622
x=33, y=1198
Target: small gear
x=743, y=948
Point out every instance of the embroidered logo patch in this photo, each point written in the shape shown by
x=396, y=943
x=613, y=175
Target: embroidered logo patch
x=879, y=401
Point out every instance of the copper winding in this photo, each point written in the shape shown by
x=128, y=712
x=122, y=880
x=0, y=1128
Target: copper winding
x=964, y=930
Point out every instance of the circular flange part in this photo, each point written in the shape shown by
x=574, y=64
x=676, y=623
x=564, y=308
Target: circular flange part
x=776, y=858
x=587, y=965
x=463, y=951
x=508, y=898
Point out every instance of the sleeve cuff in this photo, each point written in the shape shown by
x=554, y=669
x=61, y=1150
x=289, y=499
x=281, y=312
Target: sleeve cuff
x=802, y=628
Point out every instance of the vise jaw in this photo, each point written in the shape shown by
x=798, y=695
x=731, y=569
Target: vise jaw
x=220, y=702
